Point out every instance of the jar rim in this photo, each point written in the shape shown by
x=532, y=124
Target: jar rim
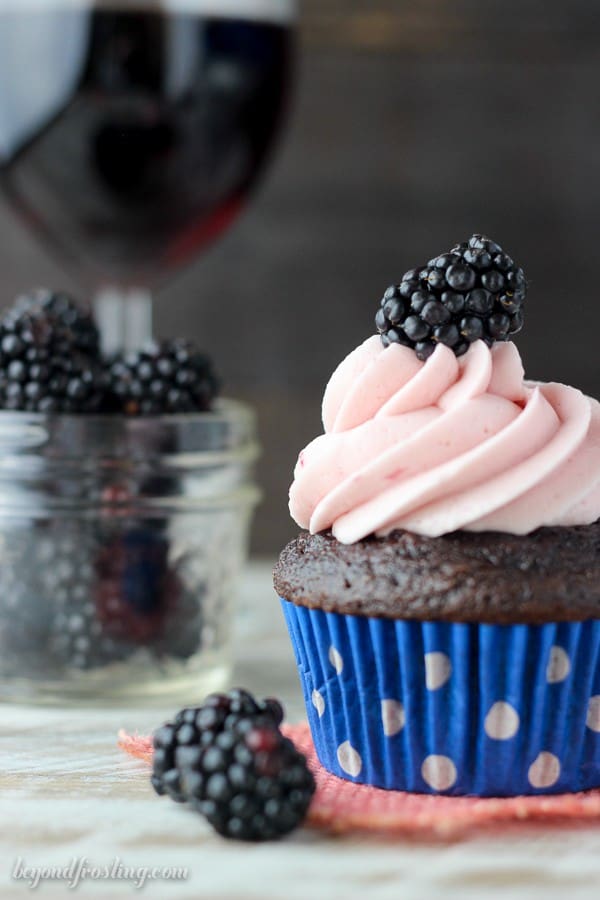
x=226, y=431
x=224, y=408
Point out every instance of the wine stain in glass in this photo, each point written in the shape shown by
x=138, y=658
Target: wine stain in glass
x=131, y=134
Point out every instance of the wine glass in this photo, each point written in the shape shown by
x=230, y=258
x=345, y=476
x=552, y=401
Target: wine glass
x=131, y=132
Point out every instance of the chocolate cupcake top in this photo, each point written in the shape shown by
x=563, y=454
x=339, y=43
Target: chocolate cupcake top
x=551, y=575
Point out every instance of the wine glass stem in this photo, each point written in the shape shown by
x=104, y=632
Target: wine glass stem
x=124, y=318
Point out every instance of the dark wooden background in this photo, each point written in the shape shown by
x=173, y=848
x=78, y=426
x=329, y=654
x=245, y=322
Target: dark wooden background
x=413, y=125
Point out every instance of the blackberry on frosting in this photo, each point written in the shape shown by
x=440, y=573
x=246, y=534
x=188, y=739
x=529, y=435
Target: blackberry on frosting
x=473, y=292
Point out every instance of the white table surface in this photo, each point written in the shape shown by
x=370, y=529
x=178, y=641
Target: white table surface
x=68, y=792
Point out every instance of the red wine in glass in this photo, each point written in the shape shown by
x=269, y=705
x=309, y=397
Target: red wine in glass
x=131, y=132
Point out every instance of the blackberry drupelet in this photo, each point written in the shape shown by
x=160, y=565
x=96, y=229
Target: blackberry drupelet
x=229, y=759
x=473, y=292
x=171, y=376
x=49, y=356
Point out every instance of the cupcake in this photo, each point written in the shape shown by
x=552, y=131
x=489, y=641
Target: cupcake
x=443, y=601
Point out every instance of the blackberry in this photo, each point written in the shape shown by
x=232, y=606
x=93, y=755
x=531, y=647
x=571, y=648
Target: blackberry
x=141, y=591
x=49, y=356
x=229, y=759
x=473, y=292
x=218, y=713
x=24, y=621
x=75, y=322
x=78, y=637
x=134, y=585
x=171, y=376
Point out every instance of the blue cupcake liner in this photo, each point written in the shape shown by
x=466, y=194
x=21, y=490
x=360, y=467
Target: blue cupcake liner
x=451, y=708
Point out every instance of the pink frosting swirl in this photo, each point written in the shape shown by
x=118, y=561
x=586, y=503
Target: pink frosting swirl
x=447, y=444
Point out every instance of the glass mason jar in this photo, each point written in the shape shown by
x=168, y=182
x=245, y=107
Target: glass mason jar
x=120, y=543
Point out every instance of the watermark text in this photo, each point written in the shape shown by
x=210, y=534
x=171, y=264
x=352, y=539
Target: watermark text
x=80, y=869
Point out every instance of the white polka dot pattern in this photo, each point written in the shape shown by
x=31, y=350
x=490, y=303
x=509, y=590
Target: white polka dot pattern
x=452, y=708
x=393, y=717
x=559, y=665
x=544, y=771
x=335, y=658
x=438, y=669
x=502, y=721
x=349, y=759
x=439, y=772
x=318, y=701
x=593, y=713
